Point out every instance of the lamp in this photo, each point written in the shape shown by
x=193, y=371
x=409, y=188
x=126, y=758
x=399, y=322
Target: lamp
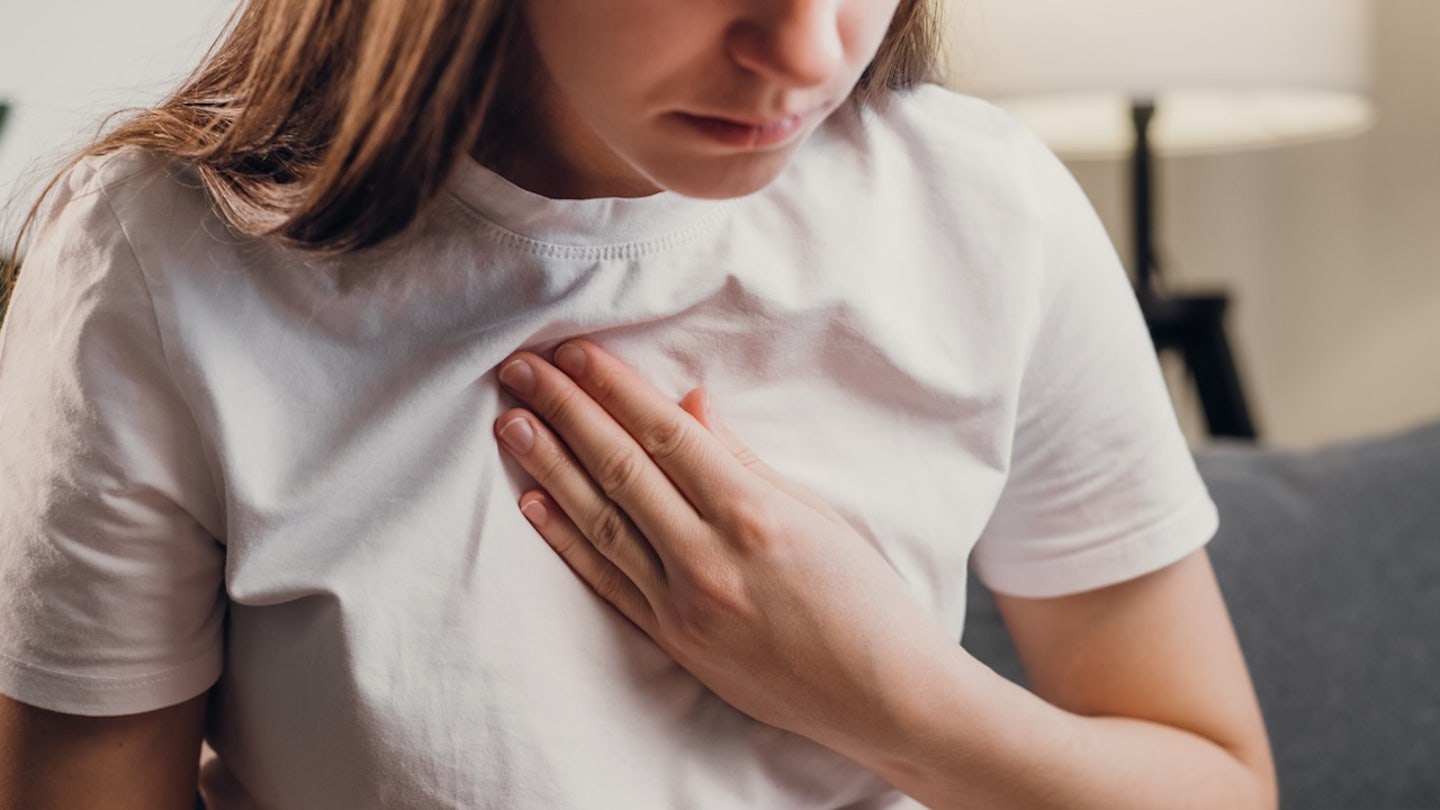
x=1136, y=79
x=1230, y=74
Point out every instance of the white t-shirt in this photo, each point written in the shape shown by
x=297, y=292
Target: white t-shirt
x=225, y=459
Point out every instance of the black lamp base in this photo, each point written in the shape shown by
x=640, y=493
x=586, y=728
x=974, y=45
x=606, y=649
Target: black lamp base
x=1194, y=326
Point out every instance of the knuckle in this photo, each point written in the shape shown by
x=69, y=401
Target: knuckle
x=610, y=584
x=721, y=588
x=602, y=383
x=748, y=458
x=562, y=407
x=607, y=529
x=754, y=529
x=566, y=544
x=665, y=438
x=717, y=598
x=551, y=465
x=619, y=471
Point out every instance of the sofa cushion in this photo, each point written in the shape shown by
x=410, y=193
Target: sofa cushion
x=1330, y=564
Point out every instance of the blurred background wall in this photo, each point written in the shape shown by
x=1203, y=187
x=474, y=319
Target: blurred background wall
x=1330, y=253
x=66, y=64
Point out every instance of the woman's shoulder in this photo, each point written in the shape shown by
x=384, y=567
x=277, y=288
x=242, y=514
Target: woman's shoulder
x=123, y=200
x=149, y=210
x=958, y=153
x=138, y=187
x=932, y=155
x=138, y=229
x=933, y=108
x=968, y=150
x=940, y=128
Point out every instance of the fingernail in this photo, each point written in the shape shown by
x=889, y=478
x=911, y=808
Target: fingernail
x=534, y=511
x=517, y=435
x=571, y=359
x=518, y=377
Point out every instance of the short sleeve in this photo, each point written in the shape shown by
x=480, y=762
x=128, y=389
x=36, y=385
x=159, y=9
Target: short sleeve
x=1102, y=486
x=111, y=598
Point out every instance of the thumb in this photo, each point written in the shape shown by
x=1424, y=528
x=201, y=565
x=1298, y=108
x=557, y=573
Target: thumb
x=697, y=404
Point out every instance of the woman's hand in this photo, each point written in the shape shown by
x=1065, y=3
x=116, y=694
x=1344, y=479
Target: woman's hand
x=747, y=580
x=764, y=594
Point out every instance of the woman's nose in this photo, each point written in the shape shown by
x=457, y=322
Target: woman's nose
x=798, y=42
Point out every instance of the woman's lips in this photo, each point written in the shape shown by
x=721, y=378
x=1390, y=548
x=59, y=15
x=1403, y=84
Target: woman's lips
x=747, y=135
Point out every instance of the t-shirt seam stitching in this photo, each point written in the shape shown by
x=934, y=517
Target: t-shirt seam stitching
x=1113, y=545
x=624, y=250
x=155, y=321
x=111, y=682
x=145, y=283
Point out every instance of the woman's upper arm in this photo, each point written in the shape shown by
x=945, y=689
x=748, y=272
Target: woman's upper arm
x=54, y=760
x=1159, y=648
x=111, y=565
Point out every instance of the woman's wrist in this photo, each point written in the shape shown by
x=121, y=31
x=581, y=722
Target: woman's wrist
x=975, y=739
x=921, y=716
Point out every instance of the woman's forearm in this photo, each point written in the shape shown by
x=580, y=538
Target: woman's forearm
x=973, y=739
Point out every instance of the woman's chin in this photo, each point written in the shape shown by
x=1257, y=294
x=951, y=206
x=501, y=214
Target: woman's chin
x=723, y=178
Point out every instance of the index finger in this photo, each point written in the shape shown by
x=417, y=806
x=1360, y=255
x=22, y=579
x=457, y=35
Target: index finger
x=692, y=457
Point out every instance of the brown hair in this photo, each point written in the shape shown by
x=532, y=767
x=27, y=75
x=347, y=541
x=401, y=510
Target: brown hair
x=329, y=124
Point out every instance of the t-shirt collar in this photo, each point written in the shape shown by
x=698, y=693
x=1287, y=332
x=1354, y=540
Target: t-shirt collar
x=598, y=222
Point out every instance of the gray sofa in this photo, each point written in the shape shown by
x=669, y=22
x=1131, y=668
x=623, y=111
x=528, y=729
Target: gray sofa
x=1330, y=562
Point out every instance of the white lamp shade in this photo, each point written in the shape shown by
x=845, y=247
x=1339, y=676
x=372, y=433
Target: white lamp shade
x=1225, y=74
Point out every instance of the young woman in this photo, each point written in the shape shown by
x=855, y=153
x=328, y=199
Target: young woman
x=271, y=336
